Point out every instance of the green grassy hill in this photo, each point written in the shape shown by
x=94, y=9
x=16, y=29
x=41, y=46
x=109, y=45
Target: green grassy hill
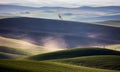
x=104, y=61
x=31, y=66
x=71, y=53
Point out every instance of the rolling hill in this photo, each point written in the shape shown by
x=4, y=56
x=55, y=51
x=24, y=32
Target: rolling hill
x=30, y=66
x=11, y=50
x=11, y=53
x=99, y=18
x=73, y=33
x=72, y=53
x=72, y=14
x=9, y=45
x=86, y=8
x=9, y=56
x=104, y=61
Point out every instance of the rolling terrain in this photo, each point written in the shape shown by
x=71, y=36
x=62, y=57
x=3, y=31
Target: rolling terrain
x=75, y=34
x=35, y=39
x=9, y=45
x=22, y=66
x=88, y=57
x=11, y=53
x=84, y=13
x=103, y=61
x=71, y=53
x=73, y=60
x=11, y=50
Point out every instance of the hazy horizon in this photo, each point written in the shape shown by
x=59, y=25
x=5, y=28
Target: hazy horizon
x=62, y=3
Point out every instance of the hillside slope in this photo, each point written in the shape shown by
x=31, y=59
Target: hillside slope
x=104, y=61
x=74, y=53
x=11, y=50
x=11, y=53
x=74, y=33
x=114, y=23
x=20, y=45
x=30, y=66
x=4, y=55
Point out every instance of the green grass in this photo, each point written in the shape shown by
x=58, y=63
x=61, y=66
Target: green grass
x=71, y=53
x=105, y=62
x=31, y=66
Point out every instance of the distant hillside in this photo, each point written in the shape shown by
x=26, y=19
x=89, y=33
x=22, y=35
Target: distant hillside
x=99, y=18
x=74, y=53
x=74, y=33
x=15, y=8
x=104, y=8
x=115, y=23
x=71, y=14
x=104, y=61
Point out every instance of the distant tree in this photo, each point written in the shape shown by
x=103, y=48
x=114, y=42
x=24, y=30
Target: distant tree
x=60, y=17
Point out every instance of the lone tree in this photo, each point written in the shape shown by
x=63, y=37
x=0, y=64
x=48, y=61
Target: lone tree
x=60, y=17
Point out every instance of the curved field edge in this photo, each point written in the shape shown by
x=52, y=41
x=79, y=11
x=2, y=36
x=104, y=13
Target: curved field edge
x=32, y=66
x=101, y=61
x=72, y=53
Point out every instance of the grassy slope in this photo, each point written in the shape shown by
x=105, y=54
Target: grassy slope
x=30, y=66
x=71, y=53
x=104, y=62
x=21, y=45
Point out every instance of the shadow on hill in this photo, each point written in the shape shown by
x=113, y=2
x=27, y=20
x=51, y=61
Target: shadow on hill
x=74, y=53
x=74, y=33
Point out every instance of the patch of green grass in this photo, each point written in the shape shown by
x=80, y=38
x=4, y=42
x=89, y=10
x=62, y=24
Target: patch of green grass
x=32, y=66
x=104, y=61
x=71, y=53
